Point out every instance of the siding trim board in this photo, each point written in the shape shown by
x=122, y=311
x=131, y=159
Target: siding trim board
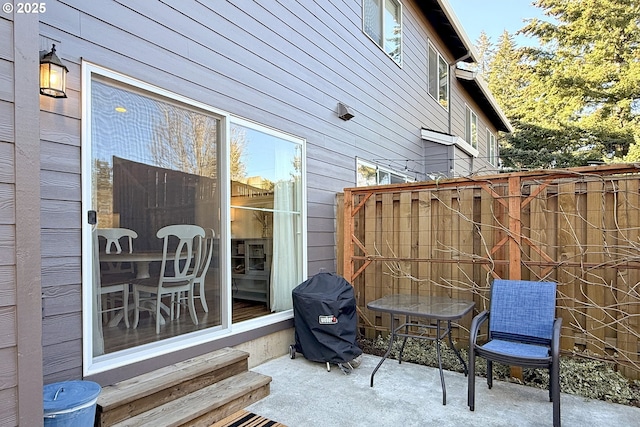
x=27, y=228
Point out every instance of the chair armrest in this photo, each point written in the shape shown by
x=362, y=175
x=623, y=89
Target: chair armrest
x=555, y=339
x=475, y=325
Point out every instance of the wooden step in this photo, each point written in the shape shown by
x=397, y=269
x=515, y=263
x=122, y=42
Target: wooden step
x=204, y=407
x=134, y=396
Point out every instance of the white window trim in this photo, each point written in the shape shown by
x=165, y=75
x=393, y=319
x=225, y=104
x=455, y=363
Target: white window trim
x=492, y=148
x=92, y=365
x=440, y=58
x=398, y=63
x=378, y=168
x=471, y=116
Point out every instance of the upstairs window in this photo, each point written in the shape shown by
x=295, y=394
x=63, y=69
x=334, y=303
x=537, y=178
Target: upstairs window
x=438, y=77
x=492, y=149
x=471, y=128
x=382, y=22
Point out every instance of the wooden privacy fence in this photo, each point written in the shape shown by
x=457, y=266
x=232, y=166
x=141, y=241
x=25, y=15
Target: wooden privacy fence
x=578, y=227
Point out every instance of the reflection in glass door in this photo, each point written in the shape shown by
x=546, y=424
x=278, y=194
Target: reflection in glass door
x=266, y=169
x=155, y=162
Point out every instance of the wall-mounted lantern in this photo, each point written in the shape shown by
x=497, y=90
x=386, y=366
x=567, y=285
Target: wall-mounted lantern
x=53, y=74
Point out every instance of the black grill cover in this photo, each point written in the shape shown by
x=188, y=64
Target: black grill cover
x=325, y=320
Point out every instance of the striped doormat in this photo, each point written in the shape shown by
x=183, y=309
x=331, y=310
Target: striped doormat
x=246, y=419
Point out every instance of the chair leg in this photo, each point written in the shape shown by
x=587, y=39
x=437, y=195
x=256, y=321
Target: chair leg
x=192, y=308
x=203, y=300
x=136, y=304
x=551, y=384
x=172, y=305
x=176, y=301
x=158, y=303
x=554, y=384
x=125, y=304
x=489, y=374
x=471, y=387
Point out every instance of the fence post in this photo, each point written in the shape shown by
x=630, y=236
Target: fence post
x=515, y=228
x=347, y=227
x=515, y=242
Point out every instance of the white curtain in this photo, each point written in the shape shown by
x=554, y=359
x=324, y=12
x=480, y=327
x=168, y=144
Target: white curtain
x=284, y=269
x=98, y=340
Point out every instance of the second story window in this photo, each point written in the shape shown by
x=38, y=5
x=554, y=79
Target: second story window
x=438, y=77
x=382, y=21
x=492, y=149
x=471, y=128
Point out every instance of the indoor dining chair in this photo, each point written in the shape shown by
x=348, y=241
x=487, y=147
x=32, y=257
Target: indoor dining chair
x=201, y=273
x=115, y=277
x=181, y=252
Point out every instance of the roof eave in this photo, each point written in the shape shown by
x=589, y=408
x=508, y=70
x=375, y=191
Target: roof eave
x=450, y=30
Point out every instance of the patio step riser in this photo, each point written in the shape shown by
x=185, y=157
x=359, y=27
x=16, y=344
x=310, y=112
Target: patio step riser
x=211, y=386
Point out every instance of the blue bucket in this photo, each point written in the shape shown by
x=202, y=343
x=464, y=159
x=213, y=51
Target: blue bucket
x=70, y=403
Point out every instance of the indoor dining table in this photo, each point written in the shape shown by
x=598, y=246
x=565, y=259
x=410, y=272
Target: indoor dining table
x=142, y=259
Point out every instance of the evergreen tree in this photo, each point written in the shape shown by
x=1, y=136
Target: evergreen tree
x=507, y=75
x=583, y=96
x=484, y=46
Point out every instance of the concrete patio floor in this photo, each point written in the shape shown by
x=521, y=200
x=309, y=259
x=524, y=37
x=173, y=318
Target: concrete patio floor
x=304, y=394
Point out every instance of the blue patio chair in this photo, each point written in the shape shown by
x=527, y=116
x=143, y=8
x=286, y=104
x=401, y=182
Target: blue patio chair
x=523, y=331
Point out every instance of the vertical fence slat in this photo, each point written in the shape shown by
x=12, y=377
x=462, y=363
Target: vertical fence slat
x=593, y=283
x=370, y=219
x=467, y=234
x=443, y=240
x=569, y=252
x=425, y=240
x=404, y=240
x=627, y=288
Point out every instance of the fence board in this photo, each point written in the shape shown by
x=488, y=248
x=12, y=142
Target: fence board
x=424, y=240
x=568, y=251
x=592, y=279
x=404, y=235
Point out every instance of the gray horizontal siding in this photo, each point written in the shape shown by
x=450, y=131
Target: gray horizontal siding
x=65, y=328
x=6, y=121
x=286, y=65
x=7, y=327
x=7, y=285
x=60, y=158
x=6, y=163
x=8, y=409
x=6, y=33
x=7, y=204
x=6, y=81
x=7, y=245
x=9, y=374
x=60, y=271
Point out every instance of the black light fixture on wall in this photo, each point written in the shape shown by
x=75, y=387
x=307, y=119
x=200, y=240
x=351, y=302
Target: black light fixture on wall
x=53, y=74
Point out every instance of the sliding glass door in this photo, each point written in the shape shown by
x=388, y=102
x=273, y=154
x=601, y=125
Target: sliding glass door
x=154, y=159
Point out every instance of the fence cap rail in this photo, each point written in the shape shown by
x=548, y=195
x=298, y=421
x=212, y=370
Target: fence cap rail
x=544, y=174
